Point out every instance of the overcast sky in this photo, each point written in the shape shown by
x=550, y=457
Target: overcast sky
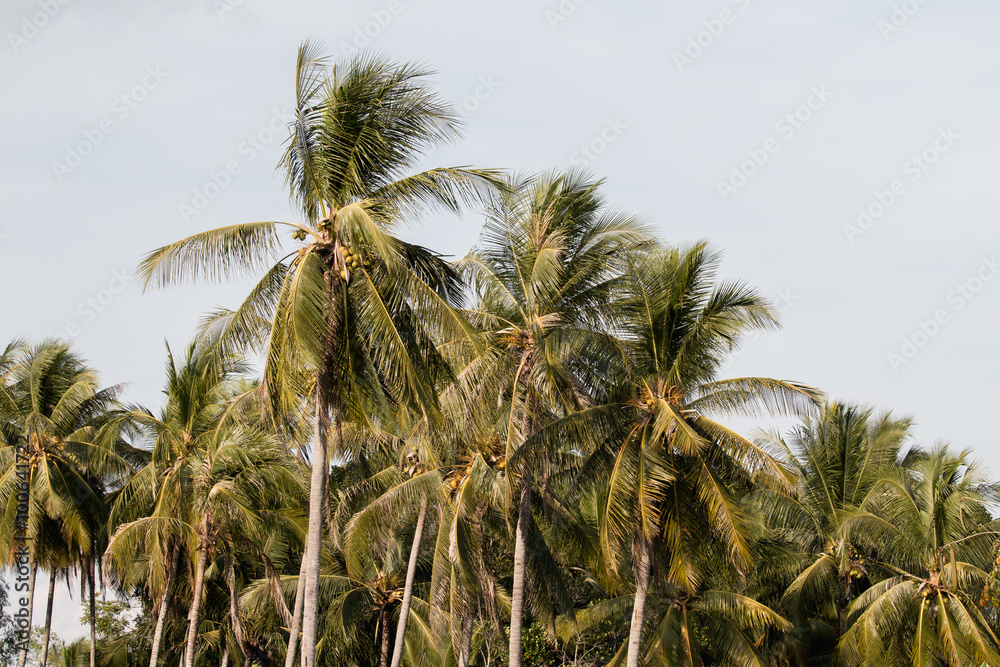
x=842, y=154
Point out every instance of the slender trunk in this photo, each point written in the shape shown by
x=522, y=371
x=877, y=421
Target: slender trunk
x=293, y=631
x=317, y=493
x=225, y=657
x=161, y=616
x=520, y=555
x=48, y=618
x=465, y=638
x=194, y=612
x=22, y=658
x=384, y=651
x=93, y=613
x=641, y=566
x=100, y=574
x=411, y=571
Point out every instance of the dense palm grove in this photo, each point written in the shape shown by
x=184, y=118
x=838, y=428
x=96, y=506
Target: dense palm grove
x=518, y=458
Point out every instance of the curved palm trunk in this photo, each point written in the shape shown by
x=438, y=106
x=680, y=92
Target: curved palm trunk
x=22, y=657
x=48, y=618
x=195, y=611
x=93, y=613
x=520, y=556
x=411, y=570
x=293, y=631
x=161, y=616
x=642, y=566
x=317, y=493
x=225, y=657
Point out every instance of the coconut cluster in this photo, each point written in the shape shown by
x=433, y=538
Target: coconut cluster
x=352, y=260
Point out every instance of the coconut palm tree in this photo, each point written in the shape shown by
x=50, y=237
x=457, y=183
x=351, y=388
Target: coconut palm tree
x=676, y=475
x=475, y=510
x=837, y=458
x=935, y=541
x=544, y=275
x=53, y=401
x=58, y=562
x=212, y=475
x=688, y=628
x=377, y=508
x=337, y=314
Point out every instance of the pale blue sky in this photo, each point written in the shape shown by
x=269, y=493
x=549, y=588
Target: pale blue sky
x=161, y=95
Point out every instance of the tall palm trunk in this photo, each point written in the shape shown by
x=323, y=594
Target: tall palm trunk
x=465, y=638
x=93, y=612
x=641, y=566
x=161, y=616
x=195, y=611
x=317, y=493
x=48, y=618
x=411, y=570
x=22, y=657
x=293, y=631
x=520, y=556
x=384, y=650
x=225, y=657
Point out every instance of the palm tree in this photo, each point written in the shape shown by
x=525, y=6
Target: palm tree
x=379, y=505
x=676, y=474
x=544, y=277
x=475, y=488
x=212, y=475
x=53, y=400
x=935, y=541
x=336, y=315
x=837, y=458
x=689, y=627
x=437, y=476
x=358, y=608
x=58, y=562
